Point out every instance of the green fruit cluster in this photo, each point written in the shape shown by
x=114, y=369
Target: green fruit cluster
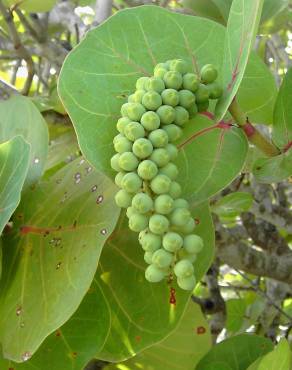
x=151, y=123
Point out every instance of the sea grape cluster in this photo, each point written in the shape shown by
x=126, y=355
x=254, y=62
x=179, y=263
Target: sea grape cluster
x=152, y=121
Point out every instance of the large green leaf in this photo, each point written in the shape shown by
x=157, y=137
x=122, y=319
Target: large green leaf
x=119, y=51
x=205, y=161
x=235, y=309
x=242, y=26
x=206, y=9
x=182, y=349
x=122, y=313
x=14, y=159
x=233, y=204
x=282, y=129
x=51, y=255
x=19, y=116
x=237, y=352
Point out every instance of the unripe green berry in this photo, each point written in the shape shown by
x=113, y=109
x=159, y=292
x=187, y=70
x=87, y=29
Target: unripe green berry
x=138, y=222
x=142, y=148
x=180, y=216
x=123, y=199
x=191, y=82
x=118, y=179
x=186, y=98
x=162, y=259
x=140, y=84
x=160, y=156
x=137, y=96
x=181, y=203
x=172, y=242
x=173, y=80
x=187, y=283
x=183, y=268
x=155, y=84
x=215, y=90
x=150, y=121
x=188, y=227
x=203, y=107
x=134, y=131
x=115, y=162
x=142, y=203
x=170, y=170
x=170, y=97
x=193, y=110
x=158, y=224
x=117, y=137
x=202, y=94
x=181, y=116
x=163, y=204
x=152, y=100
x=178, y=65
x=147, y=170
x=166, y=114
x=135, y=111
x=128, y=161
x=160, y=184
x=174, y=132
x=172, y=151
x=158, y=138
x=153, y=274
x=175, y=190
x=208, y=73
x=131, y=98
x=131, y=182
x=160, y=72
x=150, y=242
x=122, y=144
x=193, y=243
x=161, y=65
x=122, y=123
x=131, y=211
x=148, y=257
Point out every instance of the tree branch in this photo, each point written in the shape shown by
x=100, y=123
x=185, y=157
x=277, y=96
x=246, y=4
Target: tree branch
x=103, y=9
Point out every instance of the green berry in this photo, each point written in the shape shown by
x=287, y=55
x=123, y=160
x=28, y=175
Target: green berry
x=173, y=80
x=152, y=100
x=170, y=170
x=131, y=211
x=186, y=98
x=160, y=156
x=172, y=151
x=187, y=283
x=123, y=199
x=118, y=179
x=138, y=222
x=148, y=257
x=161, y=65
x=150, y=242
x=189, y=227
x=160, y=72
x=193, y=110
x=191, y=82
x=122, y=123
x=193, y=243
x=170, y=97
x=137, y=96
x=172, y=242
x=163, y=204
x=180, y=216
x=150, y=121
x=135, y=111
x=178, y=65
x=175, y=190
x=162, y=259
x=183, y=268
x=128, y=161
x=118, y=137
x=166, y=114
x=142, y=148
x=122, y=144
x=140, y=84
x=142, y=203
x=174, y=132
x=158, y=224
x=158, y=138
x=115, y=162
x=181, y=116
x=131, y=98
x=153, y=274
x=181, y=203
x=215, y=90
x=134, y=131
x=160, y=184
x=155, y=84
x=208, y=74
x=131, y=182
x=202, y=107
x=202, y=94
x=147, y=170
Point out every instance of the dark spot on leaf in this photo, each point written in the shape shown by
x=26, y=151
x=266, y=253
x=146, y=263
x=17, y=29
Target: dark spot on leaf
x=74, y=224
x=258, y=168
x=103, y=231
x=94, y=188
x=138, y=338
x=99, y=199
x=197, y=221
x=58, y=265
x=201, y=330
x=58, y=181
x=74, y=354
x=20, y=216
x=88, y=169
x=18, y=310
x=58, y=333
x=172, y=297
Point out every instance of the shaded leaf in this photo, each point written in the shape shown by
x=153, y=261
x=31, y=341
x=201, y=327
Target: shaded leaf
x=235, y=309
x=233, y=204
x=183, y=348
x=242, y=26
x=237, y=352
x=206, y=9
x=52, y=253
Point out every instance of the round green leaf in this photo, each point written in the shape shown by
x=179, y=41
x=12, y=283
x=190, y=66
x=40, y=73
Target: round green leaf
x=233, y=204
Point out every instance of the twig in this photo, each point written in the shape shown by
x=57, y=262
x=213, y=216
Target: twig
x=6, y=90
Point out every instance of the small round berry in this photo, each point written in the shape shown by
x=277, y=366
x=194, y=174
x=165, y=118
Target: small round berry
x=122, y=144
x=155, y=84
x=153, y=274
x=158, y=138
x=140, y=84
x=181, y=116
x=173, y=80
x=150, y=121
x=142, y=203
x=188, y=227
x=162, y=259
x=180, y=216
x=131, y=211
x=158, y=224
x=187, y=283
x=138, y=222
x=147, y=170
x=208, y=74
x=181, y=203
x=160, y=156
x=191, y=82
x=163, y=204
x=166, y=114
x=172, y=242
x=115, y=162
x=152, y=100
x=134, y=131
x=123, y=199
x=183, y=268
x=137, y=96
x=174, y=132
x=170, y=97
x=148, y=257
x=118, y=179
x=186, y=98
x=172, y=151
x=128, y=161
x=178, y=65
x=142, y=148
x=150, y=242
x=131, y=182
x=170, y=170
x=135, y=111
x=122, y=123
x=215, y=90
x=202, y=94
x=175, y=190
x=160, y=184
x=193, y=243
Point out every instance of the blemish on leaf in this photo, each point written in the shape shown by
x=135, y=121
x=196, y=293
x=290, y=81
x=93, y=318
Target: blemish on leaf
x=197, y=221
x=172, y=297
x=94, y=188
x=88, y=169
x=58, y=265
x=82, y=161
x=18, y=310
x=201, y=330
x=22, y=324
x=99, y=199
x=36, y=160
x=58, y=333
x=26, y=356
x=103, y=231
x=138, y=338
